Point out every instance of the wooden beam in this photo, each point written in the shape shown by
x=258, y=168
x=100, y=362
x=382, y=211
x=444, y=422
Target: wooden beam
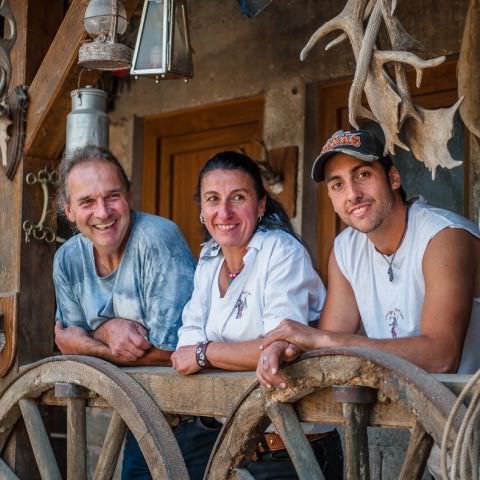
x=55, y=79
x=47, y=91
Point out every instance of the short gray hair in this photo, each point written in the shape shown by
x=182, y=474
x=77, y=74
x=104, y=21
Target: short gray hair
x=86, y=154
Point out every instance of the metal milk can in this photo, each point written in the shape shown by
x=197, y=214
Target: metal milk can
x=87, y=123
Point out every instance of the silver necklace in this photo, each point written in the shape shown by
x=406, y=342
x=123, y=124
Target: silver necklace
x=390, y=268
x=392, y=257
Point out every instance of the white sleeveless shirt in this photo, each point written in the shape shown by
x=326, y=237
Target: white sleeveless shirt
x=393, y=309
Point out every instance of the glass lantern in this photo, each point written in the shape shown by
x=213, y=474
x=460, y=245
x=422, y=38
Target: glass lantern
x=163, y=47
x=103, y=20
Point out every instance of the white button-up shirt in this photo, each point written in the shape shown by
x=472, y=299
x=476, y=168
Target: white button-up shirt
x=277, y=282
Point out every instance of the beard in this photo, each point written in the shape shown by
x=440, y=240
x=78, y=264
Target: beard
x=381, y=212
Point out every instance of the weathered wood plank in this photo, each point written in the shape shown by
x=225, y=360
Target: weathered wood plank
x=173, y=392
x=42, y=448
x=288, y=426
x=36, y=298
x=76, y=439
x=417, y=454
x=453, y=381
x=112, y=445
x=6, y=472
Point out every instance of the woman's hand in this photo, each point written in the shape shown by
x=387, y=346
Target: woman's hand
x=184, y=360
x=270, y=360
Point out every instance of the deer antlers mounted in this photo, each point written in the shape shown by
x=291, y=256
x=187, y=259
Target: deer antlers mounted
x=427, y=132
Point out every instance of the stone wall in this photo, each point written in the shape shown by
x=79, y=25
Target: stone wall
x=237, y=57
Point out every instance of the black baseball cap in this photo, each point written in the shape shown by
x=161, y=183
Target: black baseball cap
x=361, y=144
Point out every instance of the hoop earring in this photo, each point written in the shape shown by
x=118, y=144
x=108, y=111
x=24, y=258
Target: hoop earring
x=260, y=218
x=202, y=219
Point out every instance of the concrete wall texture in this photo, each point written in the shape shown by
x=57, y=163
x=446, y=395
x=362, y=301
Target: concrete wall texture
x=237, y=57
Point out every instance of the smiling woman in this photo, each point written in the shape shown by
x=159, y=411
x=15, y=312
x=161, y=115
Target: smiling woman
x=253, y=272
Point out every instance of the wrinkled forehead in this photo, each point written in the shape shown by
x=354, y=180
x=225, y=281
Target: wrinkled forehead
x=93, y=177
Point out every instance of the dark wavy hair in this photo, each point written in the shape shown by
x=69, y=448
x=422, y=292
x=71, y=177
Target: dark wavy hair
x=275, y=217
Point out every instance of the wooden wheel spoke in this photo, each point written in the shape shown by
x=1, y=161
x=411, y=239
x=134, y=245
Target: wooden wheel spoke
x=242, y=474
x=76, y=439
x=111, y=448
x=417, y=454
x=41, y=446
x=6, y=472
x=356, y=403
x=287, y=425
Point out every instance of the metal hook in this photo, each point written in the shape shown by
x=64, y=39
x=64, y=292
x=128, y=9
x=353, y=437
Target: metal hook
x=39, y=230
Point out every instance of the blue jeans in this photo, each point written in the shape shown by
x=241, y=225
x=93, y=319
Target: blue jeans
x=196, y=438
x=278, y=466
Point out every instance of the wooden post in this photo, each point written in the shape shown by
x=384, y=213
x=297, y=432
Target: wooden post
x=356, y=406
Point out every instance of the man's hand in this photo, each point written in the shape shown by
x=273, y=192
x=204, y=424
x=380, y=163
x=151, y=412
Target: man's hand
x=184, y=360
x=126, y=339
x=69, y=338
x=271, y=359
x=293, y=332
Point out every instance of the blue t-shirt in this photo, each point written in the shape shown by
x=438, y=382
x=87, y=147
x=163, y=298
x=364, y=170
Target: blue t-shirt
x=151, y=285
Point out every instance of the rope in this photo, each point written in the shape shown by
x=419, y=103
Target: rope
x=464, y=461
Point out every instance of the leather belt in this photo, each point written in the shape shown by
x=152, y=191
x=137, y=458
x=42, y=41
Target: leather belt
x=272, y=442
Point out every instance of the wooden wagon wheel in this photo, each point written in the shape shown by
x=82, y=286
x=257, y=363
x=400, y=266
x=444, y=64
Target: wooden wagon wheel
x=353, y=387
x=71, y=376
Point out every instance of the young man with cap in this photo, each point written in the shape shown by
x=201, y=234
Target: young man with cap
x=409, y=273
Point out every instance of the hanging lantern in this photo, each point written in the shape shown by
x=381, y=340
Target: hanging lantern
x=163, y=47
x=103, y=20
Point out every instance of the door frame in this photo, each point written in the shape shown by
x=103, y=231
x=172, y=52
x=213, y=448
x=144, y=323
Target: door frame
x=187, y=121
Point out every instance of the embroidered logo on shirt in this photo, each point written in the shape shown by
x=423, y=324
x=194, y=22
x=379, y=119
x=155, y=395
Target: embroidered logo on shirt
x=241, y=304
x=394, y=317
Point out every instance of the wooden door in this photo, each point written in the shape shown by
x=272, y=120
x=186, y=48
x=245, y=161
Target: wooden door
x=178, y=145
x=450, y=190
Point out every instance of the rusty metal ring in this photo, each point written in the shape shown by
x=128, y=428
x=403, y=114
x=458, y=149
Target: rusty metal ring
x=31, y=178
x=43, y=175
x=38, y=233
x=27, y=226
x=50, y=235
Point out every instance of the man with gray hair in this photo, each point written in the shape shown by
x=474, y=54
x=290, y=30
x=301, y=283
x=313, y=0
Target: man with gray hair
x=122, y=282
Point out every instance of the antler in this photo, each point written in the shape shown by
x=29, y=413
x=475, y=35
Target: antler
x=390, y=103
x=429, y=138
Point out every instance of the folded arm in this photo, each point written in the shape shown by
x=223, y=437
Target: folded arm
x=77, y=341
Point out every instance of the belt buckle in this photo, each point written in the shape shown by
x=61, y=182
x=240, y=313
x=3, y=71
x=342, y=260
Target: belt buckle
x=172, y=419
